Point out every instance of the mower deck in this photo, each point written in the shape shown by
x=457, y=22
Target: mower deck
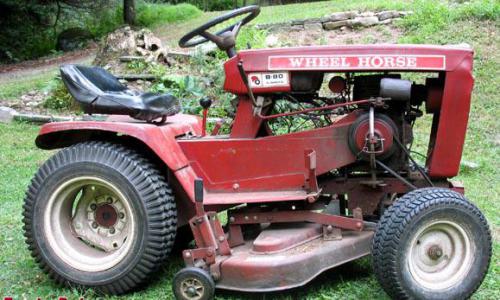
x=287, y=257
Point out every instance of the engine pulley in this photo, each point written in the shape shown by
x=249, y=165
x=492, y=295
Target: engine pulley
x=384, y=131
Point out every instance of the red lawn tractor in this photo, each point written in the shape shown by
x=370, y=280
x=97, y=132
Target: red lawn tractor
x=329, y=180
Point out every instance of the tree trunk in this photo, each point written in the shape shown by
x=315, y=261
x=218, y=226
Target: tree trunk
x=129, y=11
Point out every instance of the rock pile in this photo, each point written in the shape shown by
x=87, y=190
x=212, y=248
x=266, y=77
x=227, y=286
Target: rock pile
x=125, y=42
x=338, y=20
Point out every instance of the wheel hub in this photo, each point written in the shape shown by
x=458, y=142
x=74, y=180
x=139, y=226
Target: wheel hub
x=440, y=255
x=101, y=223
x=192, y=288
x=435, y=252
x=106, y=215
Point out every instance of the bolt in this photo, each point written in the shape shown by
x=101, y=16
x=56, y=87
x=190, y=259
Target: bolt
x=93, y=206
x=221, y=238
x=112, y=230
x=329, y=228
x=121, y=215
x=358, y=224
x=94, y=225
x=255, y=218
x=236, y=186
x=110, y=200
x=435, y=252
x=187, y=254
x=231, y=219
x=246, y=218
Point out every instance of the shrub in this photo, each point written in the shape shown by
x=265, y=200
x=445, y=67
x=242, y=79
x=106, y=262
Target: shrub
x=60, y=98
x=151, y=14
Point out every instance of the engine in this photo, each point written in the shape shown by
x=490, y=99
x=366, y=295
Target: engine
x=379, y=130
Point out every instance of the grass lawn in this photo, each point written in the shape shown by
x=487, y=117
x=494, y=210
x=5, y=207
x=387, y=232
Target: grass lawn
x=22, y=279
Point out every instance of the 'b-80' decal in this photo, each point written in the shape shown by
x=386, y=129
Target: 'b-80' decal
x=264, y=80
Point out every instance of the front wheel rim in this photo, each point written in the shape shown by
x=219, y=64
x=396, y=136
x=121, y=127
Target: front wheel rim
x=89, y=224
x=440, y=255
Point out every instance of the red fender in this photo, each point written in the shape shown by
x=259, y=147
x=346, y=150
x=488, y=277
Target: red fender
x=161, y=139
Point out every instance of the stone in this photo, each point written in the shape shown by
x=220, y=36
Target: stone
x=297, y=22
x=339, y=16
x=7, y=114
x=386, y=21
x=271, y=41
x=388, y=14
x=297, y=27
x=335, y=25
x=469, y=164
x=366, y=14
x=314, y=26
x=364, y=21
x=72, y=39
x=273, y=26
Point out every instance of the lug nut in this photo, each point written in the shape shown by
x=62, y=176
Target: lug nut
x=110, y=200
x=112, y=230
x=94, y=225
x=121, y=215
x=93, y=206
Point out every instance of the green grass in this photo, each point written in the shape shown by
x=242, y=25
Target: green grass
x=14, y=88
x=475, y=24
x=151, y=14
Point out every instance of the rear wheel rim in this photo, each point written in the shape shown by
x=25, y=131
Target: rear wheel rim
x=89, y=224
x=440, y=255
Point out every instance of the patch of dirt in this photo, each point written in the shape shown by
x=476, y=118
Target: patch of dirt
x=344, y=36
x=46, y=64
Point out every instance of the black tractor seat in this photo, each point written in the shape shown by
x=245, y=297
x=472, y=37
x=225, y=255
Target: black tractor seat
x=100, y=92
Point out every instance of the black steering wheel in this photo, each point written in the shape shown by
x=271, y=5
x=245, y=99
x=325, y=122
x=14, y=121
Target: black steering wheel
x=225, y=39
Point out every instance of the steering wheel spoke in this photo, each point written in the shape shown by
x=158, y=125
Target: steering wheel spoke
x=215, y=38
x=236, y=28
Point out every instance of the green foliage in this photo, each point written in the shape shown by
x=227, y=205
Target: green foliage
x=430, y=17
x=60, y=99
x=151, y=14
x=212, y=5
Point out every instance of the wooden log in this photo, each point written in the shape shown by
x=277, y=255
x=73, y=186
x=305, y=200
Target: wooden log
x=129, y=58
x=133, y=77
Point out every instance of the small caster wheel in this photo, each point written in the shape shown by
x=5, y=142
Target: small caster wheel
x=193, y=284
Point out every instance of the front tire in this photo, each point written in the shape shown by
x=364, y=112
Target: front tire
x=431, y=244
x=99, y=215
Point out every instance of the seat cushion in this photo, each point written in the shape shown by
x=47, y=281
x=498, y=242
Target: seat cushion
x=98, y=91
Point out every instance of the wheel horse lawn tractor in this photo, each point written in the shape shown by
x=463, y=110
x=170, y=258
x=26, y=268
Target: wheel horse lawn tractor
x=105, y=210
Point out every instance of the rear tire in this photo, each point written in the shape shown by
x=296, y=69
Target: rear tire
x=431, y=244
x=99, y=215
